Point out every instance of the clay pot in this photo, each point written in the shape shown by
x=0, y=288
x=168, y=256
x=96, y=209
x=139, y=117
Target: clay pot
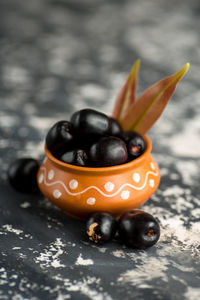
x=81, y=191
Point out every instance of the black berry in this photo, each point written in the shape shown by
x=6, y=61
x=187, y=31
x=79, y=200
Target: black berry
x=115, y=128
x=101, y=227
x=138, y=229
x=136, y=144
x=108, y=151
x=76, y=157
x=22, y=175
x=60, y=137
x=90, y=122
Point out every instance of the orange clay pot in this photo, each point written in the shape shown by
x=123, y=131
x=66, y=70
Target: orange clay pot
x=81, y=191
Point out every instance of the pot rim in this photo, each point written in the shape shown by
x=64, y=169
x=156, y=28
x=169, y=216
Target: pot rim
x=99, y=170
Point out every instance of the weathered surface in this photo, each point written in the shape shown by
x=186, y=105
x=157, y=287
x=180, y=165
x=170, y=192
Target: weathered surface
x=60, y=56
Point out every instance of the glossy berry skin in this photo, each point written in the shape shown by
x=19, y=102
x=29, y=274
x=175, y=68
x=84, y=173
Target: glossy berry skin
x=127, y=135
x=138, y=229
x=108, y=151
x=89, y=122
x=76, y=157
x=101, y=227
x=115, y=128
x=135, y=143
x=22, y=175
x=85, y=141
x=60, y=137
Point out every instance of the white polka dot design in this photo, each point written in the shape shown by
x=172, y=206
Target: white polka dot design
x=73, y=184
x=152, y=166
x=51, y=174
x=136, y=177
x=57, y=194
x=41, y=178
x=91, y=201
x=109, y=186
x=152, y=182
x=125, y=195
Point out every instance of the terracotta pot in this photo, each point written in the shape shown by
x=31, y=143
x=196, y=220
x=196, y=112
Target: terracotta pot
x=81, y=191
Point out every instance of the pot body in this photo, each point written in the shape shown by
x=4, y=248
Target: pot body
x=81, y=191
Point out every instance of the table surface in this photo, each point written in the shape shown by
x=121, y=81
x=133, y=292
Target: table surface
x=57, y=57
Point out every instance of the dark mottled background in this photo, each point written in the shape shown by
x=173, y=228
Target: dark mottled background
x=60, y=56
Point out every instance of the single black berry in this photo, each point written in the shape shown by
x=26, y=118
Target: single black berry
x=76, y=157
x=22, y=175
x=108, y=151
x=138, y=229
x=101, y=227
x=136, y=144
x=89, y=122
x=115, y=128
x=60, y=137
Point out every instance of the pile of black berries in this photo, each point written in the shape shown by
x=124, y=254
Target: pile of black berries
x=92, y=139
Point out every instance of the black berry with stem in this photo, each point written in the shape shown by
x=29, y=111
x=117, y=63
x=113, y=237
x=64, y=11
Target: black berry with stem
x=101, y=227
x=22, y=175
x=76, y=157
x=60, y=137
x=138, y=229
x=108, y=151
x=136, y=144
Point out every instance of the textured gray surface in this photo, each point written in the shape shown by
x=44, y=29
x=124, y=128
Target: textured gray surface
x=60, y=56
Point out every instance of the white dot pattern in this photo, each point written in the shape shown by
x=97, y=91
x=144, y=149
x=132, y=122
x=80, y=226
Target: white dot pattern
x=91, y=201
x=125, y=195
x=41, y=178
x=152, y=166
x=136, y=177
x=50, y=174
x=73, y=184
x=109, y=186
x=57, y=194
x=152, y=182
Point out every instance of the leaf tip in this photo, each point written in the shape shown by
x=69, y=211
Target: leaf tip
x=135, y=69
x=184, y=70
x=138, y=61
x=187, y=66
x=177, y=76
